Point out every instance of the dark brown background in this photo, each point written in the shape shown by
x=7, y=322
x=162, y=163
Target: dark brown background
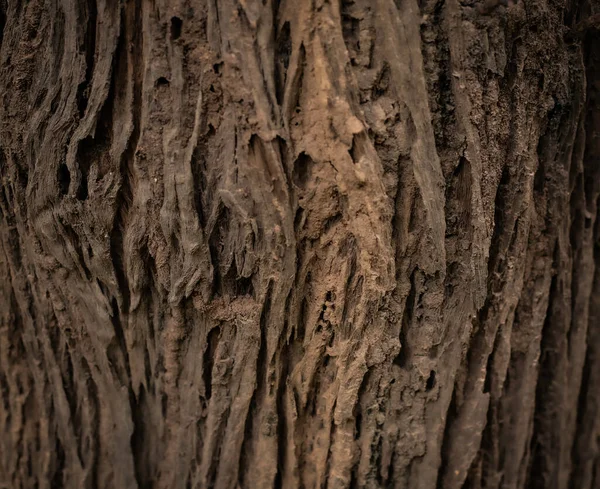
x=299, y=244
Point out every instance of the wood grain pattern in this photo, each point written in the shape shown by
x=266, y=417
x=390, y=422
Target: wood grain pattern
x=299, y=244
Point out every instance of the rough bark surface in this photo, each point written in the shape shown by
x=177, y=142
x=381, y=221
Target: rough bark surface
x=299, y=244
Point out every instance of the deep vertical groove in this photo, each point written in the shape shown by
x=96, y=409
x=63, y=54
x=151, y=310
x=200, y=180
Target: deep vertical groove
x=541, y=443
x=131, y=29
x=89, y=47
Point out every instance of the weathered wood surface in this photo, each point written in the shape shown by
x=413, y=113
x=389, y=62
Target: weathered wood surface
x=299, y=244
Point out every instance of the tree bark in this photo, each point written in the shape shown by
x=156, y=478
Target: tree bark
x=299, y=244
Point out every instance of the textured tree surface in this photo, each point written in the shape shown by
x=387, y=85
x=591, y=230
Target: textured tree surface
x=299, y=244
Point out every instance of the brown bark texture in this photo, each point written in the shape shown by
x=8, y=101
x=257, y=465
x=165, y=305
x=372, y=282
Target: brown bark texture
x=299, y=244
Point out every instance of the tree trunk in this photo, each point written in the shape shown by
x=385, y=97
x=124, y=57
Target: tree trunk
x=299, y=244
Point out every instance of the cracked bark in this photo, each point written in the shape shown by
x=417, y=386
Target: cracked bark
x=299, y=244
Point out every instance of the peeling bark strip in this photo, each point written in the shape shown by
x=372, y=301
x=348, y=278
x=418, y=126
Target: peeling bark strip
x=299, y=244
